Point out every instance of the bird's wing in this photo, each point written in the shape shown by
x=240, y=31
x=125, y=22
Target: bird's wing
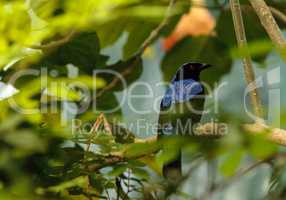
x=181, y=91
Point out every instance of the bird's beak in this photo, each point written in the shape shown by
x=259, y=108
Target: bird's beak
x=205, y=66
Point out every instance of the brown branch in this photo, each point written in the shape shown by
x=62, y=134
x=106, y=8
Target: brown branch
x=114, y=158
x=275, y=135
x=209, y=130
x=269, y=23
x=247, y=64
x=108, y=160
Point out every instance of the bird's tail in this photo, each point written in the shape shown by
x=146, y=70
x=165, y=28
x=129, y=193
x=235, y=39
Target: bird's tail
x=173, y=169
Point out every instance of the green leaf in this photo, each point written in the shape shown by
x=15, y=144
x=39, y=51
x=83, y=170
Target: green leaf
x=135, y=163
x=254, y=49
x=254, y=30
x=98, y=182
x=145, y=17
x=260, y=147
x=25, y=140
x=141, y=173
x=152, y=163
x=171, y=147
x=81, y=181
x=136, y=38
x=82, y=51
x=232, y=162
x=117, y=170
x=62, y=92
x=121, y=134
x=137, y=150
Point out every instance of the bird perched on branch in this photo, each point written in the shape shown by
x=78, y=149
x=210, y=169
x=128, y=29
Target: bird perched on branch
x=181, y=108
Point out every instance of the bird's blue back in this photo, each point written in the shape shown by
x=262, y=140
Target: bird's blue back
x=181, y=91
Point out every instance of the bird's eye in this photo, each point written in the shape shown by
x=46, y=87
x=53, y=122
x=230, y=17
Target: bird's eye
x=191, y=67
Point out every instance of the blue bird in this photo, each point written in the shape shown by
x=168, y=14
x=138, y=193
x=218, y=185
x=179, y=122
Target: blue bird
x=181, y=108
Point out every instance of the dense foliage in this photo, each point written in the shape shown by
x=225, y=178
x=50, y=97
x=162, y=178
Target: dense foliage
x=46, y=155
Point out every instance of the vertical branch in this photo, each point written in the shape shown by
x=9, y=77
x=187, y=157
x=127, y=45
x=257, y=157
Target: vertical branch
x=247, y=64
x=269, y=23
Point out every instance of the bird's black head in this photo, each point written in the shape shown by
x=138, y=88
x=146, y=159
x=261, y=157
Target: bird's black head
x=190, y=71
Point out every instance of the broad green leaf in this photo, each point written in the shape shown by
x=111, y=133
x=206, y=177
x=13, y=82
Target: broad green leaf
x=122, y=135
x=81, y=181
x=171, y=147
x=232, y=162
x=137, y=150
x=144, y=17
x=117, y=170
x=260, y=147
x=254, y=49
x=152, y=163
x=141, y=173
x=25, y=140
x=62, y=92
x=82, y=51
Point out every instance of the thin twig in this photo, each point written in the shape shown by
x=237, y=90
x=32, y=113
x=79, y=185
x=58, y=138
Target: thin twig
x=57, y=43
x=153, y=35
x=128, y=180
x=223, y=185
x=184, y=178
x=280, y=15
x=93, y=131
x=269, y=23
x=114, y=82
x=106, y=125
x=231, y=180
x=107, y=194
x=247, y=64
